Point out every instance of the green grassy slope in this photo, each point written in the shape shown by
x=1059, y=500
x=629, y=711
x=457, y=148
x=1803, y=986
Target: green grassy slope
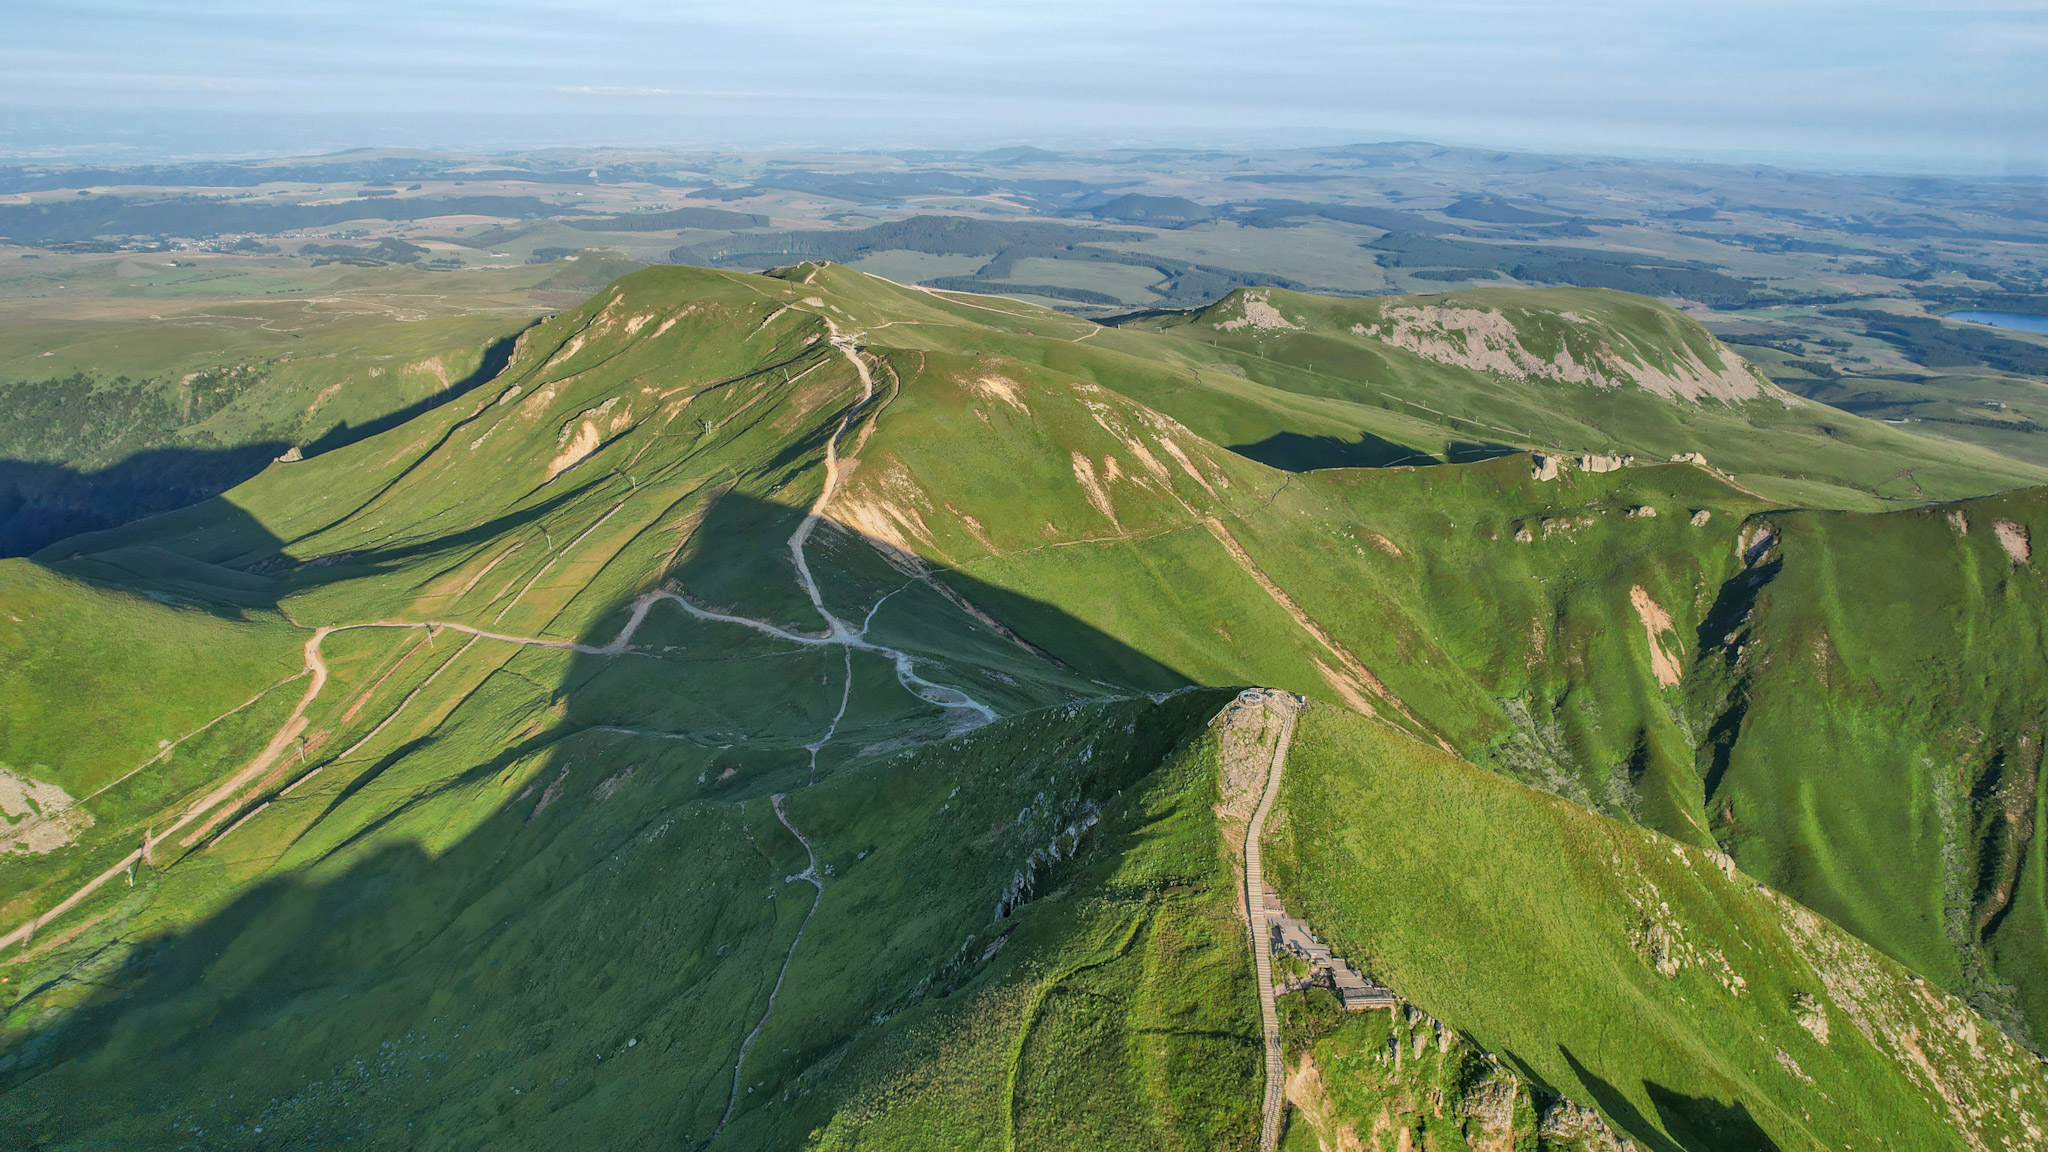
x=489, y=968
x=1534, y=657
x=1122, y=1013
x=456, y=801
x=89, y=393
x=1414, y=594
x=1479, y=370
x=126, y=706
x=1539, y=657
x=1616, y=965
x=137, y=384
x=571, y=662
x=1873, y=694
x=427, y=757
x=115, y=419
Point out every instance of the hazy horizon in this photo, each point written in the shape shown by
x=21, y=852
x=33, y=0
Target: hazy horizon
x=1849, y=86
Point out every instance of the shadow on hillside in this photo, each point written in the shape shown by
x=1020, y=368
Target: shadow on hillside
x=562, y=962
x=1695, y=1123
x=1295, y=452
x=1720, y=638
x=1473, y=451
x=1704, y=1123
x=43, y=503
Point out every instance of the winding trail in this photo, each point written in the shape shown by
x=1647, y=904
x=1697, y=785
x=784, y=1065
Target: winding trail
x=1287, y=707
x=802, y=535
x=172, y=746
x=838, y=632
x=809, y=874
x=848, y=637
x=293, y=725
x=25, y=931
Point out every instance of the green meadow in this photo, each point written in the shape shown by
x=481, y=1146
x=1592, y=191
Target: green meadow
x=776, y=711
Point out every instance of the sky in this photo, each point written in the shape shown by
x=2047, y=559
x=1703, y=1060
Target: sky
x=1870, y=84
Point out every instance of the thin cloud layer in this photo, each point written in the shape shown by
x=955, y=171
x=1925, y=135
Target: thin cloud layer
x=1959, y=85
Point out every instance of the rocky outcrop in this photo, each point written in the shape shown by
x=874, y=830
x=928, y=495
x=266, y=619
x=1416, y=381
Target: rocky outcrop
x=1487, y=340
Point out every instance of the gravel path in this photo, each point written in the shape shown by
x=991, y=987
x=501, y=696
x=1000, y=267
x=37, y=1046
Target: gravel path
x=838, y=632
x=1287, y=707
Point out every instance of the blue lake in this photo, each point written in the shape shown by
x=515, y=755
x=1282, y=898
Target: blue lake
x=2018, y=321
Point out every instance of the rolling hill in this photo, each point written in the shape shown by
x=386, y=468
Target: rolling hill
x=780, y=711
x=1465, y=374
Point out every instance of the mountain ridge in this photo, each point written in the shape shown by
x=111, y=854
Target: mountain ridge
x=777, y=561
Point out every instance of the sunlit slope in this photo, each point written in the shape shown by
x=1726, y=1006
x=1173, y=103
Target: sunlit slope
x=117, y=707
x=110, y=420
x=1548, y=627
x=506, y=836
x=254, y=372
x=1563, y=629
x=1484, y=605
x=1573, y=632
x=576, y=635
x=1694, y=1008
x=1870, y=693
x=1466, y=373
x=1004, y=463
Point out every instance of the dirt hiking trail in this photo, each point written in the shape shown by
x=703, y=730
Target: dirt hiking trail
x=1286, y=707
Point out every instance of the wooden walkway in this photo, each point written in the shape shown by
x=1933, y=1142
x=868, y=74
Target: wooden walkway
x=1286, y=707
